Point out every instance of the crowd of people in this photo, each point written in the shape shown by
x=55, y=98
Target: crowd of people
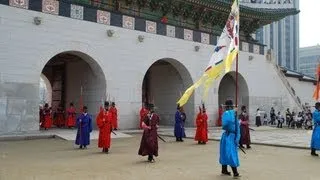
x=299, y=120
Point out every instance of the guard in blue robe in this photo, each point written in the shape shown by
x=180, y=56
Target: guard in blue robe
x=84, y=125
x=315, y=141
x=229, y=141
x=179, y=125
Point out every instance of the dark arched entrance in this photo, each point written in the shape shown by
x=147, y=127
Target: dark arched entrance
x=68, y=73
x=227, y=88
x=163, y=85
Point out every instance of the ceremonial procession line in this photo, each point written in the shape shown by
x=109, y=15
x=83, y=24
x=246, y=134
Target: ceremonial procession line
x=262, y=135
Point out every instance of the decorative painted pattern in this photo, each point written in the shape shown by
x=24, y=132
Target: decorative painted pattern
x=76, y=12
x=103, y=17
x=151, y=27
x=188, y=34
x=128, y=22
x=245, y=46
x=171, y=31
x=205, y=38
x=19, y=3
x=50, y=6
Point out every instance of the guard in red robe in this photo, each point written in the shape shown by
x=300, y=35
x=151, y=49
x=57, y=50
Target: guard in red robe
x=244, y=128
x=47, y=122
x=71, y=116
x=202, y=126
x=59, y=121
x=104, y=123
x=143, y=113
x=114, y=113
x=219, y=121
x=149, y=140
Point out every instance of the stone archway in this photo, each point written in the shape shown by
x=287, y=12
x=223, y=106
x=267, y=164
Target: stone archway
x=227, y=88
x=45, y=90
x=163, y=84
x=68, y=73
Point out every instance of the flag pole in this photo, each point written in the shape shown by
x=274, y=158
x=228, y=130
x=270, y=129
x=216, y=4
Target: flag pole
x=237, y=86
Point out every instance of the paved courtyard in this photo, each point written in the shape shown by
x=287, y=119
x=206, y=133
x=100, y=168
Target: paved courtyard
x=60, y=159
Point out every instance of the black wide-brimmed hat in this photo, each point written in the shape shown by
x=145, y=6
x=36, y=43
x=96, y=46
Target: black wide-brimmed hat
x=106, y=103
x=229, y=103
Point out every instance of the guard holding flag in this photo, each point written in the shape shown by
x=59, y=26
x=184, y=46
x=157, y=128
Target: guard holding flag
x=229, y=141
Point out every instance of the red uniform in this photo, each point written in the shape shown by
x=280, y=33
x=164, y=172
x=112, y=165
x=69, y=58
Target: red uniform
x=114, y=112
x=202, y=128
x=143, y=113
x=71, y=117
x=104, y=123
x=219, y=121
x=59, y=121
x=47, y=123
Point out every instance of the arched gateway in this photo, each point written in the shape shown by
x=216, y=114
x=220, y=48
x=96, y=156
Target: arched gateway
x=227, y=89
x=68, y=73
x=163, y=84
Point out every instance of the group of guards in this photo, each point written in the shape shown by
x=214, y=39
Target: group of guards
x=236, y=132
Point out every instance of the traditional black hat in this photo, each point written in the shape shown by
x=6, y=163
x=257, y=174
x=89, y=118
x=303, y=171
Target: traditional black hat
x=178, y=106
x=113, y=103
x=106, y=103
x=243, y=108
x=203, y=107
x=85, y=107
x=150, y=106
x=317, y=105
x=228, y=103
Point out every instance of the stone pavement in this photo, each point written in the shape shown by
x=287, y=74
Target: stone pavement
x=263, y=135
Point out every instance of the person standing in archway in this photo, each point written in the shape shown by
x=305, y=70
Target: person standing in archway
x=71, y=116
x=149, y=140
x=178, y=127
x=84, y=124
x=114, y=113
x=143, y=113
x=244, y=128
x=220, y=112
x=47, y=123
x=202, y=126
x=315, y=141
x=104, y=123
x=59, y=121
x=229, y=141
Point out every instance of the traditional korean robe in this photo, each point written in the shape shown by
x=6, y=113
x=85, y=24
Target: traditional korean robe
x=244, y=129
x=84, y=124
x=104, y=123
x=47, y=123
x=229, y=140
x=114, y=113
x=178, y=127
x=149, y=140
x=202, y=127
x=143, y=113
x=59, y=121
x=71, y=117
x=315, y=140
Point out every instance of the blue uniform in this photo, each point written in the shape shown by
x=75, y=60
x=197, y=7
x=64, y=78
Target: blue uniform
x=84, y=129
x=178, y=127
x=229, y=140
x=315, y=141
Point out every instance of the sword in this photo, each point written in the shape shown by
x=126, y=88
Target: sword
x=113, y=132
x=242, y=150
x=161, y=138
x=252, y=129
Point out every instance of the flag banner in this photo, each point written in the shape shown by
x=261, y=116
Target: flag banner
x=222, y=58
x=317, y=89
